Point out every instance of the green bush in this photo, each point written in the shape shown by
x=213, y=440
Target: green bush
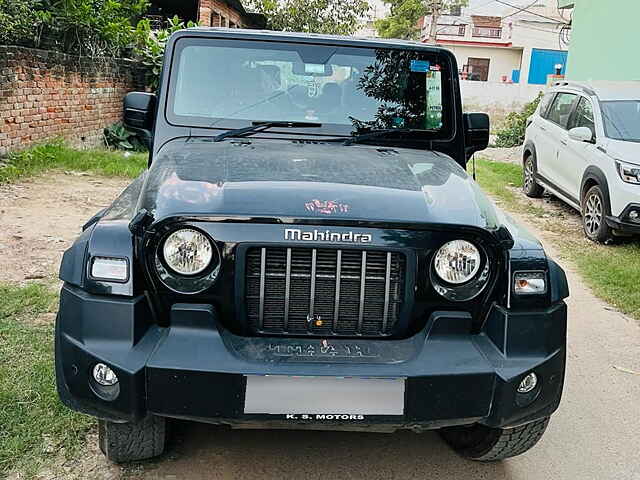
x=512, y=131
x=150, y=45
x=81, y=27
x=119, y=137
x=22, y=21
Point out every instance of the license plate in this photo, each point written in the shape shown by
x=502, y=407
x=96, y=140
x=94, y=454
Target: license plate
x=283, y=395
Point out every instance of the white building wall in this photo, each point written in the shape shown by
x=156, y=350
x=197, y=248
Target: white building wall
x=539, y=35
x=502, y=60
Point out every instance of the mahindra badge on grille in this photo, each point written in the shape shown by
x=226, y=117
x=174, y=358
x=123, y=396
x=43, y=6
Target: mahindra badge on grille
x=299, y=235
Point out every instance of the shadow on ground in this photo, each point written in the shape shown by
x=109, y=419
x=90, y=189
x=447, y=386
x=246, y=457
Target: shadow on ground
x=200, y=451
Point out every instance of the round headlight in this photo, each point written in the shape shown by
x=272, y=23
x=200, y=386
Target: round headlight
x=457, y=262
x=187, y=251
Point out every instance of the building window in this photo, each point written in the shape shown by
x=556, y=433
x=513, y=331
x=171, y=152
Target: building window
x=453, y=30
x=478, y=69
x=216, y=19
x=455, y=11
x=487, y=32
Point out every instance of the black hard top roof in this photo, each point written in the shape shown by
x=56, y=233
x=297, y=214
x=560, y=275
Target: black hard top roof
x=268, y=35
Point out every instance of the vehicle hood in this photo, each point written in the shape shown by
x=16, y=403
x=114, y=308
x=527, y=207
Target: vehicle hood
x=625, y=151
x=302, y=180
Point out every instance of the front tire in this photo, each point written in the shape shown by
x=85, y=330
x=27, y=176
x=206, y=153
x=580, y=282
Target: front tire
x=530, y=187
x=130, y=442
x=486, y=444
x=594, y=211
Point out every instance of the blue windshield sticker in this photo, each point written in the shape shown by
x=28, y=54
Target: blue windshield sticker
x=420, y=66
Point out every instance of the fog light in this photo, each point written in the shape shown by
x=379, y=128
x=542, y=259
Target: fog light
x=634, y=216
x=104, y=376
x=528, y=383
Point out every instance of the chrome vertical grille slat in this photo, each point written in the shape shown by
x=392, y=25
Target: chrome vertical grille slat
x=287, y=289
x=387, y=286
x=263, y=279
x=312, y=293
x=336, y=304
x=363, y=286
x=324, y=291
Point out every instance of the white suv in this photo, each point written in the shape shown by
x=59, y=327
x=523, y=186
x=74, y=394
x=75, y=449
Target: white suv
x=583, y=146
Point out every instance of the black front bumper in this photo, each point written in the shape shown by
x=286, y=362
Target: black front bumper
x=197, y=370
x=620, y=225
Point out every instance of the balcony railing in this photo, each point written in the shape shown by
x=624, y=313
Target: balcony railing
x=487, y=32
x=452, y=30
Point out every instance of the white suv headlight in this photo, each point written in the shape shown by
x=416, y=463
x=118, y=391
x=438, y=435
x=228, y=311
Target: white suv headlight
x=457, y=262
x=628, y=172
x=187, y=251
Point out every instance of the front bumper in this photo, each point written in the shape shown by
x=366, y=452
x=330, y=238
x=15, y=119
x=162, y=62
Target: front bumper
x=624, y=226
x=197, y=370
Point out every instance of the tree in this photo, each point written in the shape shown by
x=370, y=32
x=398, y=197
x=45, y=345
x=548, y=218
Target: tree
x=339, y=17
x=405, y=15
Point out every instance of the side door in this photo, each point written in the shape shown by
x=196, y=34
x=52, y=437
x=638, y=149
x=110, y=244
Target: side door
x=553, y=135
x=576, y=156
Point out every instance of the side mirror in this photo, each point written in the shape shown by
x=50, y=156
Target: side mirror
x=139, y=110
x=581, y=134
x=476, y=132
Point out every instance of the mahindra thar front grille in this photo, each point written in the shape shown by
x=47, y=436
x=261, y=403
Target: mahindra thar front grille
x=321, y=291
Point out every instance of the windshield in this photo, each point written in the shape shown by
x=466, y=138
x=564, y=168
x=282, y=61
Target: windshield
x=622, y=120
x=231, y=83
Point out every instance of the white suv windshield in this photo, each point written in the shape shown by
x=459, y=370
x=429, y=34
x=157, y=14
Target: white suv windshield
x=221, y=82
x=622, y=120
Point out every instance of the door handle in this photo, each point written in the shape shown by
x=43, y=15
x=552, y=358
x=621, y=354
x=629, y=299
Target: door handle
x=543, y=129
x=564, y=142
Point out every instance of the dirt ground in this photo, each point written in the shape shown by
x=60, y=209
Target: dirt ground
x=40, y=218
x=594, y=435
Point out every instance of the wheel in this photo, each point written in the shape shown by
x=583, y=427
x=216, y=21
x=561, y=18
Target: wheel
x=531, y=188
x=129, y=442
x=594, y=211
x=487, y=444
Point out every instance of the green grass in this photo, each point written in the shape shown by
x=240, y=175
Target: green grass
x=57, y=156
x=33, y=422
x=495, y=178
x=613, y=272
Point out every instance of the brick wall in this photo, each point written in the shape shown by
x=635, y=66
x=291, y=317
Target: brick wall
x=45, y=95
x=228, y=14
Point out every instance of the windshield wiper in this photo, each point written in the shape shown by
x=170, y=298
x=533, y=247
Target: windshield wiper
x=380, y=133
x=260, y=126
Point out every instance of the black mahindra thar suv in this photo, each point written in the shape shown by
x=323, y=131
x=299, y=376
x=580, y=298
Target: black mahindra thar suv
x=306, y=250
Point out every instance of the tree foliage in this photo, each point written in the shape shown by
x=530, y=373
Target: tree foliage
x=340, y=17
x=402, y=21
x=83, y=27
x=21, y=21
x=150, y=45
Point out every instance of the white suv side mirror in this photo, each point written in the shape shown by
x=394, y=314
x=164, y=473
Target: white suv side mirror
x=581, y=134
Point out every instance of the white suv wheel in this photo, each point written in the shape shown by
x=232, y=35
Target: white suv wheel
x=593, y=214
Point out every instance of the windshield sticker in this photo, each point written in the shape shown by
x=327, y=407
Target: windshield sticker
x=326, y=207
x=420, y=66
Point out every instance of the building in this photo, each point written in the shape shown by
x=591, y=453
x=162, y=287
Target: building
x=377, y=10
x=603, y=40
x=511, y=45
x=207, y=13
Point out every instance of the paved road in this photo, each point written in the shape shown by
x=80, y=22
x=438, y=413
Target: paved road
x=595, y=434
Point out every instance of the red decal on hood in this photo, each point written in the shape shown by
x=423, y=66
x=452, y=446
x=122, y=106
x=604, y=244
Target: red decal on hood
x=326, y=207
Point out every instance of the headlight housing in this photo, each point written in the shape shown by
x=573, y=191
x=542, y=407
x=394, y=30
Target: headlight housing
x=187, y=251
x=457, y=262
x=628, y=172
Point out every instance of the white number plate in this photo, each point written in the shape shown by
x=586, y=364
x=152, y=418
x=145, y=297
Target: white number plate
x=282, y=395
